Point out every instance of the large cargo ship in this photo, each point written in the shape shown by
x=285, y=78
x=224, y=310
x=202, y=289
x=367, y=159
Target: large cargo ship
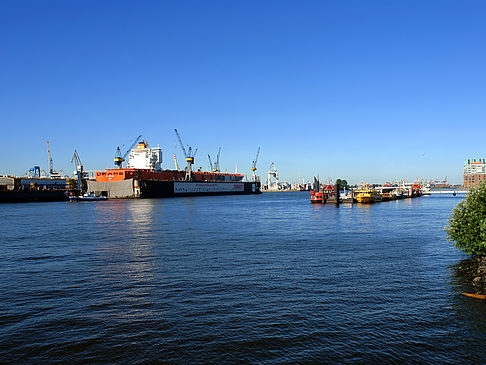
x=143, y=177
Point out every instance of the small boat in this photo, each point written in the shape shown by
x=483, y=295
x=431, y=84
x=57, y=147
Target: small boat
x=367, y=195
x=87, y=197
x=317, y=197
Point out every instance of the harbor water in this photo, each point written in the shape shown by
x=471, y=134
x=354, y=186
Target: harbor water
x=264, y=278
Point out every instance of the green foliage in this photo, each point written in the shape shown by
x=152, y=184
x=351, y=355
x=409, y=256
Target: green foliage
x=467, y=224
x=342, y=184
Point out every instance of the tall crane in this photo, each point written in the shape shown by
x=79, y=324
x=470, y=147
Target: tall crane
x=215, y=167
x=189, y=154
x=210, y=163
x=78, y=165
x=253, y=165
x=272, y=171
x=119, y=158
x=52, y=173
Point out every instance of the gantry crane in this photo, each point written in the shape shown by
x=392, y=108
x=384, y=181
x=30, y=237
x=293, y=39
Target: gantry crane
x=272, y=171
x=253, y=166
x=119, y=158
x=189, y=154
x=34, y=172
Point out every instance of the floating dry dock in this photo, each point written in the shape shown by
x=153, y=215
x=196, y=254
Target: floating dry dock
x=144, y=178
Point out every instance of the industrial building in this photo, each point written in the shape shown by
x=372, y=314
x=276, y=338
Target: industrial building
x=474, y=172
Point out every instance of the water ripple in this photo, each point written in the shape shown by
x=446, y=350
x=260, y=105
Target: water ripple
x=257, y=279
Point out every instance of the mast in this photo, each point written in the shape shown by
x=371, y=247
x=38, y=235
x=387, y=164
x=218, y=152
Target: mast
x=49, y=162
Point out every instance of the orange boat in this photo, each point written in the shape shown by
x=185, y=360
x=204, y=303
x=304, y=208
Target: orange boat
x=321, y=196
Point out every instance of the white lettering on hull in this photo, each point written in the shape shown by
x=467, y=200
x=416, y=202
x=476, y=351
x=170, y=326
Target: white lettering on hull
x=192, y=187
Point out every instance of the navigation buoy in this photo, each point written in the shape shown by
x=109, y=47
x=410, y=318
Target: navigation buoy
x=477, y=296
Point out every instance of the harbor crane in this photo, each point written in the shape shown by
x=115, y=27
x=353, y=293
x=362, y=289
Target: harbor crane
x=78, y=165
x=253, y=165
x=189, y=154
x=34, y=172
x=215, y=167
x=52, y=174
x=272, y=171
x=119, y=158
x=210, y=163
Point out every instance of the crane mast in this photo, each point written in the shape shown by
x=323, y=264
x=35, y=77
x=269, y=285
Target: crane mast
x=189, y=157
x=215, y=167
x=253, y=165
x=76, y=161
x=52, y=173
x=210, y=163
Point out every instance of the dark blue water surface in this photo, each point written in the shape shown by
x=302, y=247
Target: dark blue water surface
x=261, y=279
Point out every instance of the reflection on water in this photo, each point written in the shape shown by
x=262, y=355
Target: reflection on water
x=269, y=278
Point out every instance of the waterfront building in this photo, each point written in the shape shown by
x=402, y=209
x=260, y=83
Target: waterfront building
x=474, y=171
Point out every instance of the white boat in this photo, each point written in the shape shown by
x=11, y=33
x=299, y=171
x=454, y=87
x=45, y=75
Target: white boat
x=87, y=197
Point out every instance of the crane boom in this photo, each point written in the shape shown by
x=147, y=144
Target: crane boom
x=210, y=163
x=216, y=165
x=253, y=165
x=76, y=160
x=131, y=146
x=118, y=154
x=189, y=157
x=181, y=144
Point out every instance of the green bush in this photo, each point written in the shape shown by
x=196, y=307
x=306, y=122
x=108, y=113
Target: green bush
x=467, y=224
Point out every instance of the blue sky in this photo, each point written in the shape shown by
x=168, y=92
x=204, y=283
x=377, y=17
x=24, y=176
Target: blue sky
x=361, y=90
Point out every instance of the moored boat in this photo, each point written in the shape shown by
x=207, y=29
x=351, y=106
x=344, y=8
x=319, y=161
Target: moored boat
x=317, y=197
x=367, y=195
x=87, y=197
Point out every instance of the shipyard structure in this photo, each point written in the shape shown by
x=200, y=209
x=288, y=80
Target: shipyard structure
x=144, y=177
x=474, y=172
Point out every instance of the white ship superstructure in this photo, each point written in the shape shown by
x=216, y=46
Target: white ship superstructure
x=145, y=157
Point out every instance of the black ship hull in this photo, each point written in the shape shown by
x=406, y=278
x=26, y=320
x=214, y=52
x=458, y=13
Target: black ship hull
x=33, y=196
x=132, y=188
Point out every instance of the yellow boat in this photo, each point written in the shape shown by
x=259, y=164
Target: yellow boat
x=388, y=195
x=367, y=195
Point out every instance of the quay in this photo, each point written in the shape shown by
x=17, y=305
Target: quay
x=373, y=193
x=445, y=192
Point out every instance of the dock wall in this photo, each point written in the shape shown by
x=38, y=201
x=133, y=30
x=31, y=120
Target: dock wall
x=114, y=189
